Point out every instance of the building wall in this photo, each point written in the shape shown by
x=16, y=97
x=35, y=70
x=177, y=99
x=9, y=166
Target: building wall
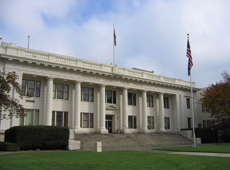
x=41, y=66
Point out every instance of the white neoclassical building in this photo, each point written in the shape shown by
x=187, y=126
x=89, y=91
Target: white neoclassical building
x=92, y=97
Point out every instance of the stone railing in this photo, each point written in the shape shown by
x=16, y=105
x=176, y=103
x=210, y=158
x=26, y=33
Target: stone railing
x=50, y=58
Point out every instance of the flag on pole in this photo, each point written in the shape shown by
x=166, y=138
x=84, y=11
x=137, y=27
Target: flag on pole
x=115, y=38
x=189, y=55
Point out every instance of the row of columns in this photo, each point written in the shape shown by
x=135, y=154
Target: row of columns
x=102, y=129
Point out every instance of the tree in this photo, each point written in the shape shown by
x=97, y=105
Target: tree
x=216, y=98
x=7, y=102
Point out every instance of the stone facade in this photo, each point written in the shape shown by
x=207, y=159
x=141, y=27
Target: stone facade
x=91, y=97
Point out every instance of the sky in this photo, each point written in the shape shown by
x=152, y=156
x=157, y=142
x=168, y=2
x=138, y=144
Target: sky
x=151, y=34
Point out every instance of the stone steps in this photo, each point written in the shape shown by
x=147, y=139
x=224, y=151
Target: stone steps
x=116, y=141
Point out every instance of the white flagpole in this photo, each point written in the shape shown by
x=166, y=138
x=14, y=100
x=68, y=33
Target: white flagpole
x=193, y=117
x=113, y=45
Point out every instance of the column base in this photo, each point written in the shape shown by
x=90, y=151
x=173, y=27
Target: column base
x=126, y=131
x=161, y=129
x=103, y=131
x=78, y=131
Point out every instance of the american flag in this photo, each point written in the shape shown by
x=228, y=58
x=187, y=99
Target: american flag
x=189, y=55
x=115, y=38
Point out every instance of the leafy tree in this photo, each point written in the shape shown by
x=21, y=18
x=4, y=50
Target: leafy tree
x=7, y=103
x=216, y=98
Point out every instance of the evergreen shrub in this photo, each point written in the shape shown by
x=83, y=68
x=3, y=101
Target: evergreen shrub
x=225, y=137
x=206, y=135
x=6, y=146
x=38, y=137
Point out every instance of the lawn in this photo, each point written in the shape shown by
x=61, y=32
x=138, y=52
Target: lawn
x=109, y=160
x=220, y=148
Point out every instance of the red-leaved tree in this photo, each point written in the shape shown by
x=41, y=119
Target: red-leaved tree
x=216, y=98
x=7, y=103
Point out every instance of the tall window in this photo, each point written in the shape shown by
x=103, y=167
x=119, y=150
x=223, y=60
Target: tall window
x=59, y=118
x=86, y=120
x=132, y=99
x=166, y=102
x=150, y=122
x=132, y=122
x=110, y=96
x=31, y=88
x=188, y=103
x=61, y=91
x=204, y=124
x=189, y=122
x=149, y=101
x=167, y=123
x=32, y=118
x=87, y=94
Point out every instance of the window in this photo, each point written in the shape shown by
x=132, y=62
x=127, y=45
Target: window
x=132, y=99
x=132, y=122
x=166, y=102
x=149, y=101
x=59, y=118
x=150, y=122
x=203, y=108
x=31, y=88
x=61, y=91
x=204, y=124
x=208, y=123
x=188, y=103
x=87, y=120
x=167, y=123
x=87, y=94
x=189, y=122
x=32, y=118
x=110, y=96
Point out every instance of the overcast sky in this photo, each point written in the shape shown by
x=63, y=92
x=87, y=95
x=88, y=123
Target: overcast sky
x=151, y=34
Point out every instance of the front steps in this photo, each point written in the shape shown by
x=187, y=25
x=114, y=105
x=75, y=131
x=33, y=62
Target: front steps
x=121, y=141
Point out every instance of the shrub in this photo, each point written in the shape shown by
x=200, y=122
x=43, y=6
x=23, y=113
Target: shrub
x=5, y=146
x=38, y=137
x=206, y=135
x=225, y=137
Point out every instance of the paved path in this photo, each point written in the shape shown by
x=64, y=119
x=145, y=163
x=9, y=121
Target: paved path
x=141, y=149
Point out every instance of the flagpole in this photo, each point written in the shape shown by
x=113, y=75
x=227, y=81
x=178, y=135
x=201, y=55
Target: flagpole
x=193, y=117
x=113, y=45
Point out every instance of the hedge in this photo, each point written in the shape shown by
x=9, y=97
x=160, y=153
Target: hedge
x=206, y=135
x=6, y=146
x=38, y=137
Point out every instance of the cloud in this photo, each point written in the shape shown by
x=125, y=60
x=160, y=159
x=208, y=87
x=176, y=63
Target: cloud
x=151, y=35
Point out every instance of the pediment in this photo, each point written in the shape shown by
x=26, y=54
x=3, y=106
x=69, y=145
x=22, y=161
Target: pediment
x=111, y=107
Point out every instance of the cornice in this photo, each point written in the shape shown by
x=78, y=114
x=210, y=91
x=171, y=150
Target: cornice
x=45, y=59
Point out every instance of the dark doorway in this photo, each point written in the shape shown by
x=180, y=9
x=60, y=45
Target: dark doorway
x=109, y=124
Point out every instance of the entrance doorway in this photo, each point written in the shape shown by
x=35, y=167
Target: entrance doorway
x=109, y=123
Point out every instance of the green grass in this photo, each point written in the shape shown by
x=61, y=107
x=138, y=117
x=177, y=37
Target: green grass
x=220, y=148
x=109, y=160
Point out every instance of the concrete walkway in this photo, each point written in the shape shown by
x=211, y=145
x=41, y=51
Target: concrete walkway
x=141, y=149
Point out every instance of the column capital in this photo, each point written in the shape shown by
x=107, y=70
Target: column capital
x=77, y=81
x=50, y=77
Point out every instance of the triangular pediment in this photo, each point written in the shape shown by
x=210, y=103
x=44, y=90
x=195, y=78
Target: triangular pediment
x=111, y=107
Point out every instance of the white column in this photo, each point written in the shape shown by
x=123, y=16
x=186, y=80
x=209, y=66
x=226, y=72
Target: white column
x=49, y=102
x=125, y=109
x=77, y=111
x=161, y=111
x=102, y=110
x=177, y=110
x=144, y=114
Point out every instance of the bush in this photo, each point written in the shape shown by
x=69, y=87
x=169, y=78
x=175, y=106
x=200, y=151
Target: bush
x=5, y=146
x=225, y=137
x=38, y=137
x=206, y=135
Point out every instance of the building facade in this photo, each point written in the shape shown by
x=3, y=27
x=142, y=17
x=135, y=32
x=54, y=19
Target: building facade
x=92, y=97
